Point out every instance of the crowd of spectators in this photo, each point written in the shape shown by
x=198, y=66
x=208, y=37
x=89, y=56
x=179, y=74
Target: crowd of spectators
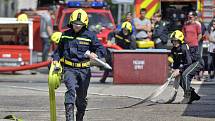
x=157, y=29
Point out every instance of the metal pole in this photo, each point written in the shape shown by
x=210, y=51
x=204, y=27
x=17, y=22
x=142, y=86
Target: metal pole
x=129, y=8
x=124, y=9
x=30, y=29
x=119, y=13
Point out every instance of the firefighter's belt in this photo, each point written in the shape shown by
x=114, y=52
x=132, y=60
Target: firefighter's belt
x=76, y=65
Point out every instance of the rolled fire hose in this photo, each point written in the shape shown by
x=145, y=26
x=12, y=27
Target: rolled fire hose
x=54, y=81
x=12, y=117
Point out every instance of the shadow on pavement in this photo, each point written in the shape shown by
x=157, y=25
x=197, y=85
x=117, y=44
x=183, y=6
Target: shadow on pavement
x=205, y=107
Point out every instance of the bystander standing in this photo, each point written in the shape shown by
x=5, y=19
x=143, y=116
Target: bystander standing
x=211, y=52
x=46, y=30
x=142, y=25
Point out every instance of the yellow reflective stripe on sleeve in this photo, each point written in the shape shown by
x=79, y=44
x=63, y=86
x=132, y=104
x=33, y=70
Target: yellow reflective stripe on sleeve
x=69, y=37
x=78, y=38
x=119, y=37
x=126, y=40
x=84, y=39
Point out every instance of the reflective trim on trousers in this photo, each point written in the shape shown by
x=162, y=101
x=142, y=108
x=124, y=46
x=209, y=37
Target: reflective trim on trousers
x=188, y=74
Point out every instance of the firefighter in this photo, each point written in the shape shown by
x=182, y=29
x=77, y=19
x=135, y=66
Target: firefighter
x=123, y=38
x=160, y=32
x=71, y=52
x=184, y=66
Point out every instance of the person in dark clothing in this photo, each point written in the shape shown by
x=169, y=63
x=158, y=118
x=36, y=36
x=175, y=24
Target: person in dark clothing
x=73, y=45
x=160, y=32
x=123, y=38
x=210, y=25
x=185, y=65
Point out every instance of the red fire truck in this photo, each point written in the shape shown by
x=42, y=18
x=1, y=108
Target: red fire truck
x=16, y=45
x=16, y=42
x=100, y=19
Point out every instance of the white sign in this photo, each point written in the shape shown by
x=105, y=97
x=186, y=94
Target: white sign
x=123, y=1
x=138, y=64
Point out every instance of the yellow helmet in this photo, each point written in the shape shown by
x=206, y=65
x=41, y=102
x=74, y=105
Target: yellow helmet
x=127, y=25
x=177, y=35
x=22, y=17
x=79, y=16
x=55, y=72
x=55, y=37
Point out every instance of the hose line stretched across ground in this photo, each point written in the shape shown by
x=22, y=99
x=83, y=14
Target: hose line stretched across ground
x=24, y=67
x=43, y=64
x=154, y=94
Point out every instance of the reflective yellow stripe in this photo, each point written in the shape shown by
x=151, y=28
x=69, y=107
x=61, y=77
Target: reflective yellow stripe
x=117, y=36
x=84, y=39
x=199, y=5
x=126, y=40
x=78, y=38
x=145, y=3
x=69, y=37
x=77, y=65
x=152, y=10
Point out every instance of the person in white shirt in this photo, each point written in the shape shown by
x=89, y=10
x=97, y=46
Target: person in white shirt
x=211, y=52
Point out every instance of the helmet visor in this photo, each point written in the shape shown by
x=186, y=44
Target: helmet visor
x=78, y=22
x=175, y=39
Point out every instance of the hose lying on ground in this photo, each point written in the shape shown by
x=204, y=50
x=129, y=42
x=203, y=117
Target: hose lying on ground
x=24, y=67
x=154, y=94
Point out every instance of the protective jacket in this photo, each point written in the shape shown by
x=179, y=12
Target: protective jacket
x=124, y=41
x=73, y=46
x=181, y=57
x=160, y=32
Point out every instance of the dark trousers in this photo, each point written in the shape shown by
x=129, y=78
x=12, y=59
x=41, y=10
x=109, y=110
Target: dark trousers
x=211, y=63
x=108, y=59
x=46, y=46
x=189, y=73
x=77, y=82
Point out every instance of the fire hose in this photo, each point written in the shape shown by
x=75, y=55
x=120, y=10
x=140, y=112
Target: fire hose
x=43, y=64
x=113, y=46
x=24, y=67
x=54, y=83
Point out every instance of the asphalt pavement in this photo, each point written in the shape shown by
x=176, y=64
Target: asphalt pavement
x=25, y=95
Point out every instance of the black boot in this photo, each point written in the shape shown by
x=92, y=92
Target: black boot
x=79, y=116
x=69, y=112
x=187, y=97
x=194, y=96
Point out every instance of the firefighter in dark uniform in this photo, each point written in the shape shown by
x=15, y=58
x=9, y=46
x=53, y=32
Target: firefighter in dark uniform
x=185, y=66
x=123, y=38
x=71, y=52
x=160, y=32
